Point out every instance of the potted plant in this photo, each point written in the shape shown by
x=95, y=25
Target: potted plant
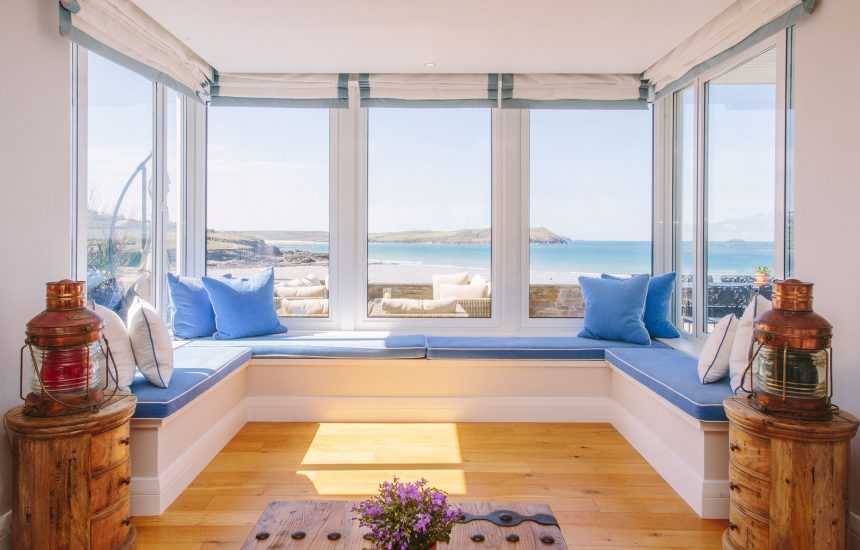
x=762, y=275
x=407, y=516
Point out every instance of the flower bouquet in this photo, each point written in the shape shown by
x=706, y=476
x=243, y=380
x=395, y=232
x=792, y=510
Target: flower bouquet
x=407, y=516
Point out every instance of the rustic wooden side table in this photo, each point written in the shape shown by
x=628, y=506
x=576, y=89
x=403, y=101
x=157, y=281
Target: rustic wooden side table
x=309, y=523
x=788, y=480
x=72, y=476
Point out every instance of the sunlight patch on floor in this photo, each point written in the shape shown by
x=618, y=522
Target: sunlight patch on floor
x=365, y=443
x=387, y=450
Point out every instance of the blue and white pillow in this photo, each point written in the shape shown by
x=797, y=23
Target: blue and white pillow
x=244, y=307
x=614, y=309
x=714, y=359
x=151, y=343
x=658, y=303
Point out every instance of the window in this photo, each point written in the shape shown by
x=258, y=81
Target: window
x=268, y=201
x=429, y=212
x=740, y=164
x=119, y=183
x=685, y=179
x=589, y=202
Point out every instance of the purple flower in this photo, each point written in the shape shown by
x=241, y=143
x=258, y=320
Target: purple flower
x=407, y=515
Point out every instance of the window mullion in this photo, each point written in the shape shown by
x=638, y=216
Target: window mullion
x=159, y=169
x=701, y=301
x=79, y=161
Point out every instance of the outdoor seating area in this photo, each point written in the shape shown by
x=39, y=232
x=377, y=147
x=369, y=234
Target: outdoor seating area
x=403, y=275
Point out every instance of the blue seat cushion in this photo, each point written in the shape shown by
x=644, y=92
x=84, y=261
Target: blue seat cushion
x=673, y=375
x=523, y=347
x=329, y=345
x=195, y=370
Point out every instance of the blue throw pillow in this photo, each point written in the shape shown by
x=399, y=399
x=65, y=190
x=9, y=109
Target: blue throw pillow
x=193, y=316
x=244, y=307
x=657, y=306
x=614, y=309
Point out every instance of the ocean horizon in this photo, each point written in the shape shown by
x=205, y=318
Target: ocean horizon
x=553, y=262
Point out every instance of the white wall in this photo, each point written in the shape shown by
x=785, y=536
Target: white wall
x=35, y=208
x=827, y=193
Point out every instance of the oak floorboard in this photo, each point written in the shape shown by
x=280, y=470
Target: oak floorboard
x=604, y=494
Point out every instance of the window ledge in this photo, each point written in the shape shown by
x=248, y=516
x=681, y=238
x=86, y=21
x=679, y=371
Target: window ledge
x=687, y=344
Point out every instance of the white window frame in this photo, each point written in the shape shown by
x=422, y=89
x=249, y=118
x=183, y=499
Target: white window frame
x=426, y=325
x=335, y=272
x=192, y=180
x=567, y=325
x=666, y=137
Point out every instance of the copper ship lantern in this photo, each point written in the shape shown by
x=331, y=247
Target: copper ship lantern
x=63, y=345
x=792, y=367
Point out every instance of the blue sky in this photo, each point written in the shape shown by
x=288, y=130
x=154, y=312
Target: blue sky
x=431, y=168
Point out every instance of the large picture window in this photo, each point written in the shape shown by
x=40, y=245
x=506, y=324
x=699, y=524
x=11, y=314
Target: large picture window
x=589, y=203
x=740, y=164
x=120, y=184
x=268, y=201
x=429, y=212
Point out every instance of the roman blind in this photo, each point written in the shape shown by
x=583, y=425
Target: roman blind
x=573, y=91
x=740, y=26
x=125, y=34
x=281, y=90
x=429, y=90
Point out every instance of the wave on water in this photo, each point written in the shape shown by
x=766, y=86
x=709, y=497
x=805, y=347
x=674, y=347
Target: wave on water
x=374, y=261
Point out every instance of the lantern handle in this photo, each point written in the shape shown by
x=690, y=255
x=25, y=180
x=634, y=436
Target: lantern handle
x=108, y=360
x=748, y=369
x=21, y=373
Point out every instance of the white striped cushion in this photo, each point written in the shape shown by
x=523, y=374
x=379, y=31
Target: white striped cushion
x=714, y=359
x=150, y=341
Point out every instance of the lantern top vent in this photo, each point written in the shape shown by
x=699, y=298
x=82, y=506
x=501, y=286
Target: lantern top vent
x=66, y=321
x=792, y=295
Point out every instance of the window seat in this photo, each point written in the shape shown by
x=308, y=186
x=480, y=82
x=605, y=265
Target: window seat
x=195, y=370
x=673, y=375
x=650, y=394
x=327, y=345
x=524, y=347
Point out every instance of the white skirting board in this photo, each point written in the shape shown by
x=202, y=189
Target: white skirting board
x=151, y=496
x=706, y=497
x=5, y=531
x=428, y=409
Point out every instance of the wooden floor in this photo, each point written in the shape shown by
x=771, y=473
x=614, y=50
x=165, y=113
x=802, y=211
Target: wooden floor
x=602, y=492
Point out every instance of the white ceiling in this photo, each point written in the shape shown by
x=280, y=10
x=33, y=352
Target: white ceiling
x=400, y=36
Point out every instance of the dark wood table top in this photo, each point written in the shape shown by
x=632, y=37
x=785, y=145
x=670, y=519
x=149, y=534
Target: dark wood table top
x=319, y=518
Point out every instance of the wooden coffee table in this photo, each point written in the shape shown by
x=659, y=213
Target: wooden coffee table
x=324, y=524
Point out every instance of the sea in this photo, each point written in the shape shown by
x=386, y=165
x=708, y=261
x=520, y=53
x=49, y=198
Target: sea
x=550, y=261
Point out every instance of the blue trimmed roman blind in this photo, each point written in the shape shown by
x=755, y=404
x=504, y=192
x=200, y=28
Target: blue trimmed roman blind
x=429, y=90
x=742, y=25
x=574, y=91
x=128, y=36
x=328, y=90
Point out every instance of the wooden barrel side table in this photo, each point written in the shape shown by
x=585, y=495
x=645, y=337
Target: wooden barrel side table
x=72, y=476
x=788, y=480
